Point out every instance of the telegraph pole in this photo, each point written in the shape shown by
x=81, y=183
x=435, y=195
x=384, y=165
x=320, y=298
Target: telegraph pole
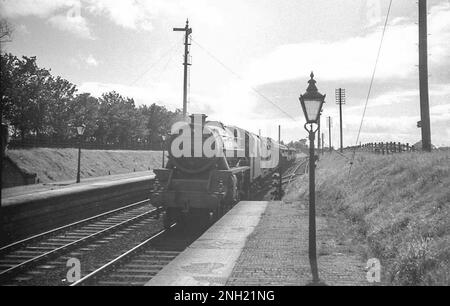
x=188, y=31
x=329, y=132
x=280, y=183
x=323, y=143
x=340, y=99
x=423, y=77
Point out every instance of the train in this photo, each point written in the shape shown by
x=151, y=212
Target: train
x=211, y=167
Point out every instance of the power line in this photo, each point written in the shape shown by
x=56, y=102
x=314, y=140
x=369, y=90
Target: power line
x=165, y=54
x=240, y=78
x=165, y=66
x=371, y=81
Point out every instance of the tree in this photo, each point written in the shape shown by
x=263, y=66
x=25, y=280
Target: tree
x=33, y=100
x=6, y=31
x=23, y=97
x=42, y=107
x=157, y=121
x=84, y=109
x=299, y=145
x=59, y=93
x=117, y=119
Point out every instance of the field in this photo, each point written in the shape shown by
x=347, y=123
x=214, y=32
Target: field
x=52, y=165
x=397, y=207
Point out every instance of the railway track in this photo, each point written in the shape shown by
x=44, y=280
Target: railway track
x=138, y=265
x=295, y=171
x=29, y=258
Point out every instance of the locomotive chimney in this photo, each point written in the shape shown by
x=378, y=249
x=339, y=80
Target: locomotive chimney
x=194, y=116
x=204, y=119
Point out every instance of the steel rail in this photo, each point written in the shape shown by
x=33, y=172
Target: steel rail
x=37, y=259
x=7, y=248
x=294, y=173
x=115, y=261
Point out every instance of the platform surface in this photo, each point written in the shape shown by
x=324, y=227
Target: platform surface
x=210, y=260
x=264, y=244
x=14, y=195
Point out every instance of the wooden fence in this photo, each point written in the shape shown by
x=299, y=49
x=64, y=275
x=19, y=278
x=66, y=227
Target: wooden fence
x=384, y=148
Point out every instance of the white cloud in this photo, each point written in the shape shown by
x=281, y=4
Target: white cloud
x=127, y=13
x=354, y=58
x=441, y=111
x=22, y=29
x=74, y=24
x=154, y=93
x=140, y=15
x=131, y=14
x=91, y=61
x=64, y=15
x=40, y=8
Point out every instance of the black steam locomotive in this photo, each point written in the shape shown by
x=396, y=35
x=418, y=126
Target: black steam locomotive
x=211, y=167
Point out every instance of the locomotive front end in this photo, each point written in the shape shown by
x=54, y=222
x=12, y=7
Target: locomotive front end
x=198, y=179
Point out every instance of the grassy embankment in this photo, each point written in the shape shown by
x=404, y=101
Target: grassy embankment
x=397, y=206
x=53, y=165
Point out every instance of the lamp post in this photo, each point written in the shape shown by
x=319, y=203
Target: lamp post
x=80, y=132
x=312, y=102
x=319, y=141
x=163, y=144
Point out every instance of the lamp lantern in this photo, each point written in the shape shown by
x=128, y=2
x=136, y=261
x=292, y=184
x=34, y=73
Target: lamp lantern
x=312, y=102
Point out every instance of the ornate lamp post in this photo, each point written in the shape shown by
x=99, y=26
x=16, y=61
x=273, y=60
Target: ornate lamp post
x=163, y=144
x=312, y=102
x=80, y=132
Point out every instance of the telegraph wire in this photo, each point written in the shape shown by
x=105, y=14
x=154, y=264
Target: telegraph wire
x=165, y=54
x=166, y=65
x=371, y=83
x=240, y=78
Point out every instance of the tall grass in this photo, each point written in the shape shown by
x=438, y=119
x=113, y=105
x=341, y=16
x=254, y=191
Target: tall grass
x=400, y=205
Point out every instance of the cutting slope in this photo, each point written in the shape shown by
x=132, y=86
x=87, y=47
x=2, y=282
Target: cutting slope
x=398, y=205
x=53, y=165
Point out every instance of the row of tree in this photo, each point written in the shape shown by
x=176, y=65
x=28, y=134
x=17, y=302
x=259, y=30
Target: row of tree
x=42, y=107
x=299, y=145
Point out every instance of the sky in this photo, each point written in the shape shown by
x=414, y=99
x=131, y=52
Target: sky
x=251, y=59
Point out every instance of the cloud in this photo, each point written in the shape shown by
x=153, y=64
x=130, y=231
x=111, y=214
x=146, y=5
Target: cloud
x=91, y=61
x=131, y=14
x=126, y=13
x=140, y=15
x=39, y=8
x=74, y=24
x=162, y=94
x=354, y=58
x=64, y=15
x=442, y=110
x=22, y=29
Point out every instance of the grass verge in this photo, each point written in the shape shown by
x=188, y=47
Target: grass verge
x=397, y=205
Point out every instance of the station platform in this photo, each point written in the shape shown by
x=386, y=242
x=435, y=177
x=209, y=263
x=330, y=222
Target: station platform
x=262, y=244
x=29, y=210
x=15, y=195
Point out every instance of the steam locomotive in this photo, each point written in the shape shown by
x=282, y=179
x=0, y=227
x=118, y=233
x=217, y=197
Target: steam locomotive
x=211, y=167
